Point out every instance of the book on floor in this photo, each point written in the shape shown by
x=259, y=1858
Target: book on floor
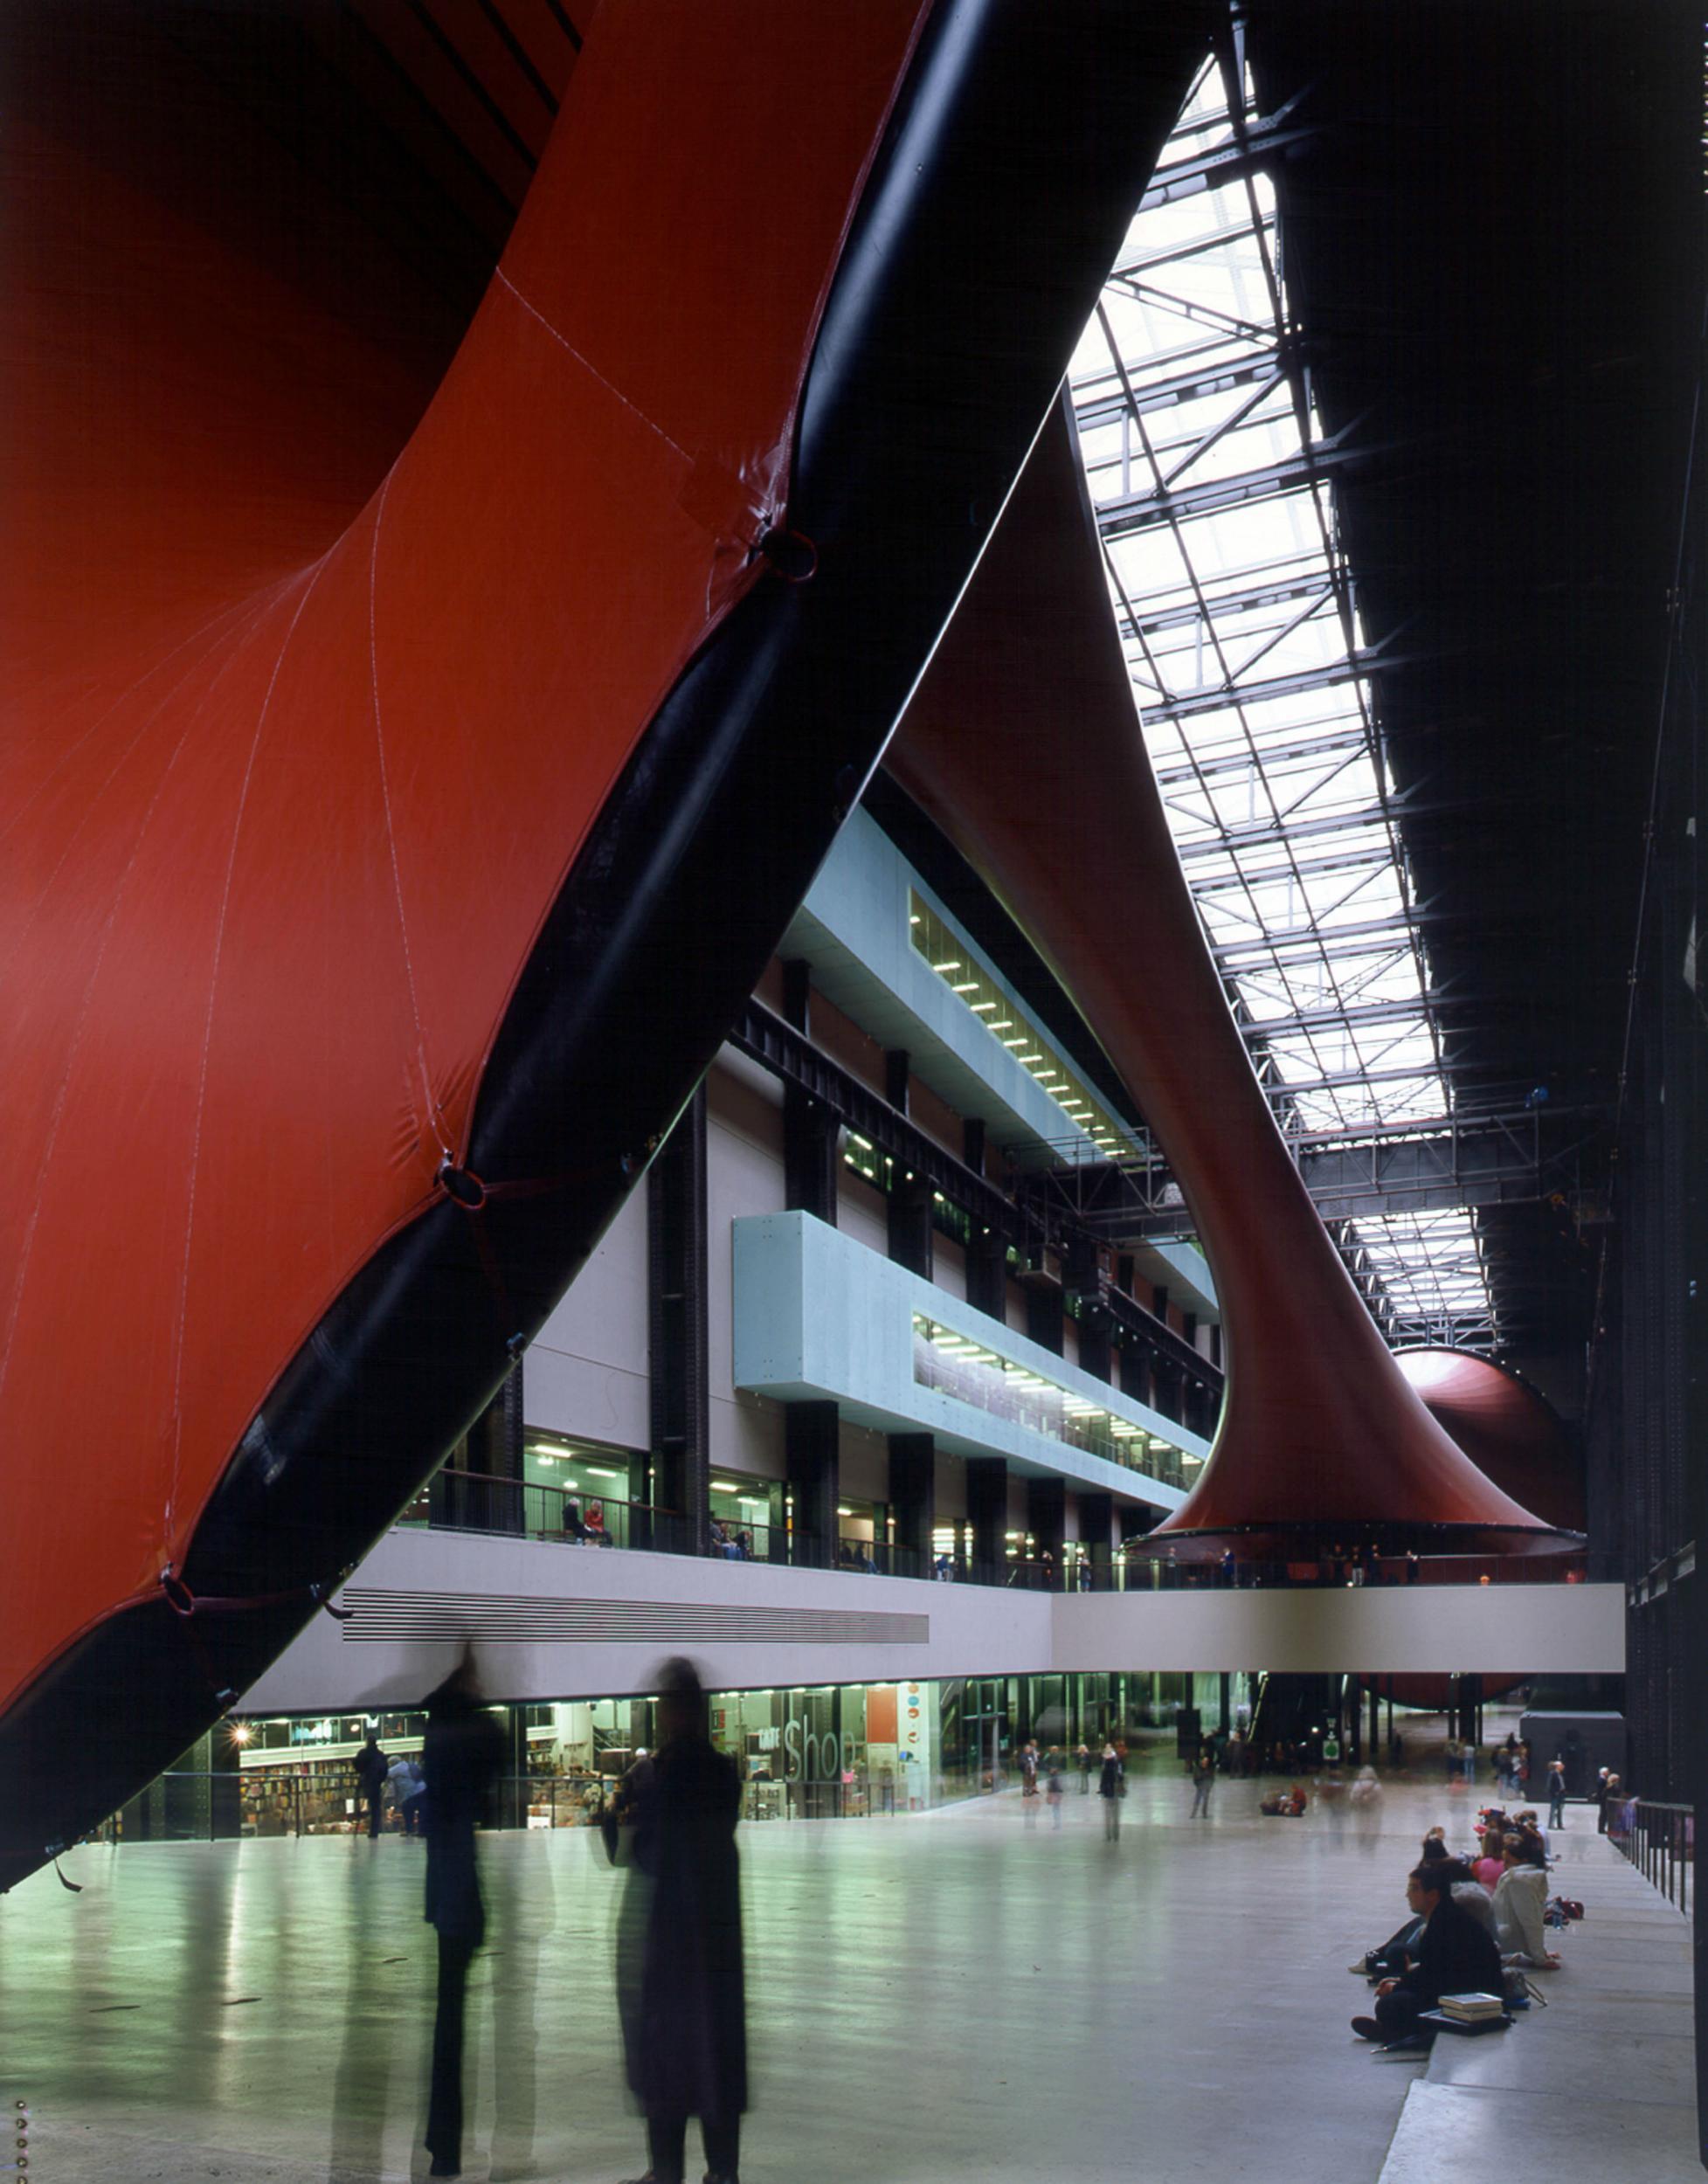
x=1471, y=2007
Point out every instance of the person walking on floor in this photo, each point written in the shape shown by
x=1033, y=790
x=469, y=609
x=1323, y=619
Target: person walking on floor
x=1556, y=1794
x=680, y=1983
x=407, y=1785
x=460, y=1756
x=1203, y=1780
x=1082, y=1760
x=1053, y=1787
x=1111, y=1788
x=371, y=1768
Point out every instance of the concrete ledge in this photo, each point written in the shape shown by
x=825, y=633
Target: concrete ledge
x=1602, y=2083
x=556, y=1621
x=1376, y=1630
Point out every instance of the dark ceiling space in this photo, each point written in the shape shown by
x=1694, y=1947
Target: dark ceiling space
x=1493, y=239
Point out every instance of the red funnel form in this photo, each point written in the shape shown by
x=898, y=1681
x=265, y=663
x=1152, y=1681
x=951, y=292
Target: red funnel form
x=1023, y=744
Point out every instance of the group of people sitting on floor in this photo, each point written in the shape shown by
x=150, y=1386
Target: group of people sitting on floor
x=1473, y=1926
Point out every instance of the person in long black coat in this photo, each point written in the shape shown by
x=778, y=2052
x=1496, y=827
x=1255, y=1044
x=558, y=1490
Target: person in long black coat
x=372, y=1767
x=680, y=1980
x=461, y=1757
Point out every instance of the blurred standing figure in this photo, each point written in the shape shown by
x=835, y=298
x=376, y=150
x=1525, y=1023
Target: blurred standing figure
x=1556, y=1793
x=1203, y=1779
x=460, y=1756
x=371, y=1769
x=408, y=1787
x=680, y=1987
x=1108, y=1788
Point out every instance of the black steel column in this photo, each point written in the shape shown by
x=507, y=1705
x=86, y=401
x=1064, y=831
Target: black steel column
x=1043, y=1312
x=1045, y=1519
x=1096, y=1526
x=1084, y=1280
x=677, y=1342
x=913, y=1497
x=987, y=1273
x=811, y=1442
x=1138, y=1378
x=811, y=1133
x=987, y=1513
x=1096, y=1348
x=1168, y=1389
x=909, y=1215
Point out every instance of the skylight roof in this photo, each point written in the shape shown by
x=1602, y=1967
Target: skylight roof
x=1212, y=477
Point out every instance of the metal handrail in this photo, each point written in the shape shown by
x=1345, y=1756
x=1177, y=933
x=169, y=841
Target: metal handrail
x=477, y=1501
x=1659, y=1839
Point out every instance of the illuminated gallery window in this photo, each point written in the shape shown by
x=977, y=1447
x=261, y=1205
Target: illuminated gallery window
x=954, y=1364
x=960, y=971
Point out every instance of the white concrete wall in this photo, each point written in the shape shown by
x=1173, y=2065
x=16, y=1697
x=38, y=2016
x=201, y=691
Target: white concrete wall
x=744, y=1175
x=586, y=1370
x=747, y=1624
x=1369, y=1630
x=590, y=1623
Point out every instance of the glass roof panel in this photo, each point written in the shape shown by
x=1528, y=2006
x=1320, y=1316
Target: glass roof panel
x=1212, y=476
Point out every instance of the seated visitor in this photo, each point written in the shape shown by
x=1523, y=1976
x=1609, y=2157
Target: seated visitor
x=1489, y=1865
x=1528, y=1829
x=1395, y=1953
x=1453, y=1956
x=1521, y=1897
x=1470, y=1894
x=573, y=1527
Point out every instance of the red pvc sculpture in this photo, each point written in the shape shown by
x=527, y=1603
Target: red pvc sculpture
x=1505, y=1426
x=1024, y=746
x=407, y=766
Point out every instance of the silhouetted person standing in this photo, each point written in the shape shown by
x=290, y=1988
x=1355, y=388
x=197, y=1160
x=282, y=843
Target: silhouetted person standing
x=460, y=1756
x=1110, y=1788
x=678, y=1972
x=371, y=1768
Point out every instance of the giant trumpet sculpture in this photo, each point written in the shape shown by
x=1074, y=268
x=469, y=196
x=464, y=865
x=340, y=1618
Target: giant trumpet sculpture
x=1024, y=745
x=395, y=812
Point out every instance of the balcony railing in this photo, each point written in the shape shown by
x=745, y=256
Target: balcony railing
x=1660, y=1841
x=475, y=1500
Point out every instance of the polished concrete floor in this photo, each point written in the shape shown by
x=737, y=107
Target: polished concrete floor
x=971, y=1994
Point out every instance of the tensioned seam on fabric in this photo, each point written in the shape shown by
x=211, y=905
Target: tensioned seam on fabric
x=592, y=371
x=71, y=751
x=430, y=1111
x=91, y=803
x=52, y=1137
x=207, y=1044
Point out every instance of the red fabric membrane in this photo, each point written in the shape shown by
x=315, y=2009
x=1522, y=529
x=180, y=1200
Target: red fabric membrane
x=300, y=740
x=394, y=700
